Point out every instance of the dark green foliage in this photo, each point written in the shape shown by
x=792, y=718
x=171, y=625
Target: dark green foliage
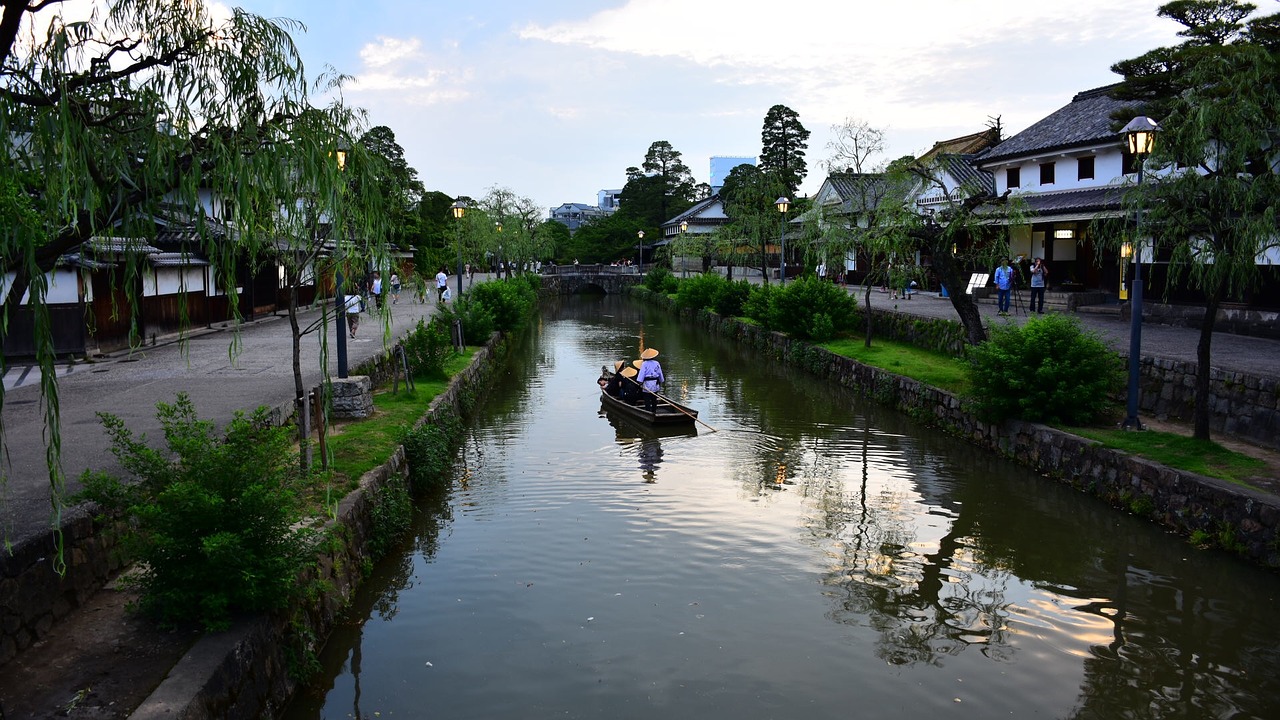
x=392, y=508
x=699, y=292
x=427, y=348
x=1048, y=370
x=660, y=280
x=807, y=308
x=731, y=297
x=759, y=304
x=211, y=527
x=477, y=318
x=428, y=450
x=510, y=301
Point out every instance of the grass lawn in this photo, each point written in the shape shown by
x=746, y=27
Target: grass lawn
x=362, y=445
x=1179, y=451
x=936, y=369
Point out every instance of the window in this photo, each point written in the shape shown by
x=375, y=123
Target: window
x=1046, y=174
x=1013, y=177
x=1084, y=168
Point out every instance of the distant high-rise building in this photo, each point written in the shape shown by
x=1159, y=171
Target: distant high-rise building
x=607, y=200
x=722, y=165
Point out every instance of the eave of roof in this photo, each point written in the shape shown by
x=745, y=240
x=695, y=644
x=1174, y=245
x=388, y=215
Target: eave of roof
x=1086, y=120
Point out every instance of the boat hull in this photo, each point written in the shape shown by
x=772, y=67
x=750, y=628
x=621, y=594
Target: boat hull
x=666, y=414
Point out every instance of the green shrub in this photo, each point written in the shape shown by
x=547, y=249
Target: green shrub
x=511, y=302
x=213, y=526
x=656, y=279
x=699, y=292
x=428, y=451
x=731, y=297
x=428, y=347
x=1049, y=370
x=759, y=305
x=477, y=318
x=811, y=309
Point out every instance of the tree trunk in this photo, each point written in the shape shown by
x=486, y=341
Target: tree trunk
x=1200, y=417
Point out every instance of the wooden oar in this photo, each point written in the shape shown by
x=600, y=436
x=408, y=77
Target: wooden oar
x=672, y=403
x=668, y=401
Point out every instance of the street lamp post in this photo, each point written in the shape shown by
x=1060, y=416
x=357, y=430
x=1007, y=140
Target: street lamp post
x=339, y=299
x=498, y=224
x=459, y=209
x=640, y=252
x=783, y=204
x=1141, y=135
x=684, y=227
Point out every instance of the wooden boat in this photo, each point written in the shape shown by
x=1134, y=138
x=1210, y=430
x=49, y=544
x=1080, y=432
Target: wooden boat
x=629, y=430
x=665, y=414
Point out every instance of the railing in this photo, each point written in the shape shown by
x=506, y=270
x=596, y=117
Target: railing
x=590, y=269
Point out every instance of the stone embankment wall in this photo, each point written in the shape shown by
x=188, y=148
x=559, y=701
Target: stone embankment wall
x=1240, y=519
x=33, y=597
x=1245, y=406
x=250, y=671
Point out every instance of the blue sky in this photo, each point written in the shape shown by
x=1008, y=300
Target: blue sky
x=556, y=99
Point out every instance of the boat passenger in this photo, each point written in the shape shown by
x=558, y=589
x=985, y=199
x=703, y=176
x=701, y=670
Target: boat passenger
x=614, y=384
x=630, y=388
x=651, y=378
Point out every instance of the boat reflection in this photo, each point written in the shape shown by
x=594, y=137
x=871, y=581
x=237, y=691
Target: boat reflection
x=648, y=437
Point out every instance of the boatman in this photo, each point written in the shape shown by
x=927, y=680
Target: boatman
x=650, y=378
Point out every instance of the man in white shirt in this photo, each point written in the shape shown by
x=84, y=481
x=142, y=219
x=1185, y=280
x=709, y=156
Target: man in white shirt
x=442, y=283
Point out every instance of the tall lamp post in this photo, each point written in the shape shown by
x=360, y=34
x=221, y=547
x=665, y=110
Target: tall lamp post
x=684, y=228
x=339, y=299
x=640, y=252
x=498, y=224
x=1141, y=136
x=783, y=204
x=459, y=209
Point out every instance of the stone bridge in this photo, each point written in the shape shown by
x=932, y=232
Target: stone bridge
x=574, y=279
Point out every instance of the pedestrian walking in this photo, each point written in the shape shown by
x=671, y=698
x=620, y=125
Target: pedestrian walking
x=353, y=304
x=442, y=284
x=1039, y=274
x=395, y=288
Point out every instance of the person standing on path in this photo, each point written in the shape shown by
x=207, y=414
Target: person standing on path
x=395, y=288
x=650, y=378
x=442, y=282
x=1004, y=286
x=1039, y=273
x=375, y=290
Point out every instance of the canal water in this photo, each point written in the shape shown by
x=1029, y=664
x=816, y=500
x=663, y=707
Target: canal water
x=816, y=556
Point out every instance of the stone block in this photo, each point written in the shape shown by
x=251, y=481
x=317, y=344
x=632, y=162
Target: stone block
x=353, y=397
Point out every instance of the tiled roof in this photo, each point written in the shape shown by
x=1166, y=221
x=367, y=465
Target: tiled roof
x=965, y=145
x=1099, y=199
x=1085, y=121
x=695, y=213
x=962, y=168
x=176, y=259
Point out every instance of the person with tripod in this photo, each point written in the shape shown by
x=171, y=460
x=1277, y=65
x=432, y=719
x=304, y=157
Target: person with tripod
x=1004, y=286
x=1039, y=273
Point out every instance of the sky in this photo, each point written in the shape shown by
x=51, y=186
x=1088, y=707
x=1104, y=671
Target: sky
x=554, y=99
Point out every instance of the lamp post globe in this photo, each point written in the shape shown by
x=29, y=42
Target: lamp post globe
x=1140, y=136
x=640, y=252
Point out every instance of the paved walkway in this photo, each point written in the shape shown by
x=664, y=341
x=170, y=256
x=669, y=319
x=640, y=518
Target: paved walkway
x=221, y=381
x=220, y=377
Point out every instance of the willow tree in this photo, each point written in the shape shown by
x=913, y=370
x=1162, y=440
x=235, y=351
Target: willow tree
x=749, y=195
x=1212, y=208
x=148, y=106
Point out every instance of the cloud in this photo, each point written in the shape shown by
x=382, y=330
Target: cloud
x=399, y=67
x=389, y=50
x=834, y=55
